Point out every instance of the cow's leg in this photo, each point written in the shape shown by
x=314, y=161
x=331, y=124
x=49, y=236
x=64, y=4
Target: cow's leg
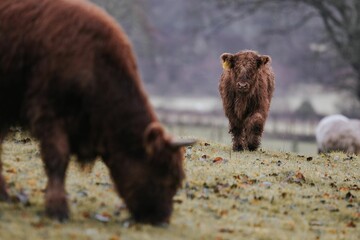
x=49, y=129
x=4, y=196
x=254, y=127
x=55, y=155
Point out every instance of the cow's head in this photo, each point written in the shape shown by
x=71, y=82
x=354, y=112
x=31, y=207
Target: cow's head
x=242, y=68
x=152, y=180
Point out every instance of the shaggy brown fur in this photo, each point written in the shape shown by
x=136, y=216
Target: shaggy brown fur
x=68, y=73
x=246, y=88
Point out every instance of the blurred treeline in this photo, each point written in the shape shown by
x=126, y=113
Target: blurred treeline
x=178, y=43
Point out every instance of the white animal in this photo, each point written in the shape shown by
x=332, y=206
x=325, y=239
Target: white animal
x=338, y=133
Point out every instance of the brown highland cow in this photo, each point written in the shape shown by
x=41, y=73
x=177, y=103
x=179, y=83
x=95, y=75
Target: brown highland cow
x=246, y=88
x=68, y=74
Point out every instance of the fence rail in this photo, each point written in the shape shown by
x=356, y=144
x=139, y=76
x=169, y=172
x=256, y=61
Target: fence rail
x=280, y=126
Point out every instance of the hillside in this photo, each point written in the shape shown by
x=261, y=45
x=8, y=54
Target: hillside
x=226, y=195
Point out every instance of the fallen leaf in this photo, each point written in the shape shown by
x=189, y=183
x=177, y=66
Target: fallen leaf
x=226, y=230
x=114, y=237
x=343, y=189
x=351, y=224
x=32, y=182
x=25, y=140
x=11, y=170
x=178, y=201
x=102, y=217
x=299, y=177
x=86, y=215
x=218, y=160
x=316, y=223
x=21, y=197
x=266, y=184
x=223, y=213
x=349, y=197
x=326, y=195
x=37, y=225
x=332, y=208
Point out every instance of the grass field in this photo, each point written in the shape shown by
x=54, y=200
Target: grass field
x=250, y=195
x=221, y=135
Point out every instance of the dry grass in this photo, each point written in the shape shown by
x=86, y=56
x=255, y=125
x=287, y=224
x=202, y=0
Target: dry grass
x=227, y=195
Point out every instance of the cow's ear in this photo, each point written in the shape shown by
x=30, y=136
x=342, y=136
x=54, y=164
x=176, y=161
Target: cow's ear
x=227, y=61
x=263, y=59
x=154, y=138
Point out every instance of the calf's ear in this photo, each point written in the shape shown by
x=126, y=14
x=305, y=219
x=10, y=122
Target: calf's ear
x=263, y=59
x=154, y=138
x=227, y=60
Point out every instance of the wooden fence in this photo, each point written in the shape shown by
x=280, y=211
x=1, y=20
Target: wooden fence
x=284, y=126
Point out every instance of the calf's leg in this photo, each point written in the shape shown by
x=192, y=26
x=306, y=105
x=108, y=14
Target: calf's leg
x=254, y=130
x=237, y=138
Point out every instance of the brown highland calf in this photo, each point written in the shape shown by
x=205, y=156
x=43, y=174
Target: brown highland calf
x=68, y=74
x=246, y=88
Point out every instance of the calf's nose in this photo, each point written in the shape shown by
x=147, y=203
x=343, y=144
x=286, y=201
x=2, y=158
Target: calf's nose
x=242, y=85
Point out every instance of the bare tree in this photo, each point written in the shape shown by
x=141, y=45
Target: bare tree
x=341, y=22
x=178, y=43
x=134, y=17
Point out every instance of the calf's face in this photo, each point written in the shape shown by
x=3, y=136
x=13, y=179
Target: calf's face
x=242, y=68
x=148, y=187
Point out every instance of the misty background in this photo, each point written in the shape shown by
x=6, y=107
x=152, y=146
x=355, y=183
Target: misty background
x=314, y=46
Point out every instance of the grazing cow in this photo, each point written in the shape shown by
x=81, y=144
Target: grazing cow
x=338, y=133
x=246, y=88
x=69, y=75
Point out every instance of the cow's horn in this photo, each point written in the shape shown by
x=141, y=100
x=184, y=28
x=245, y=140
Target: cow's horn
x=177, y=143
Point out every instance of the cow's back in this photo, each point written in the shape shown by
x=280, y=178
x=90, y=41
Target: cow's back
x=12, y=65
x=50, y=49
